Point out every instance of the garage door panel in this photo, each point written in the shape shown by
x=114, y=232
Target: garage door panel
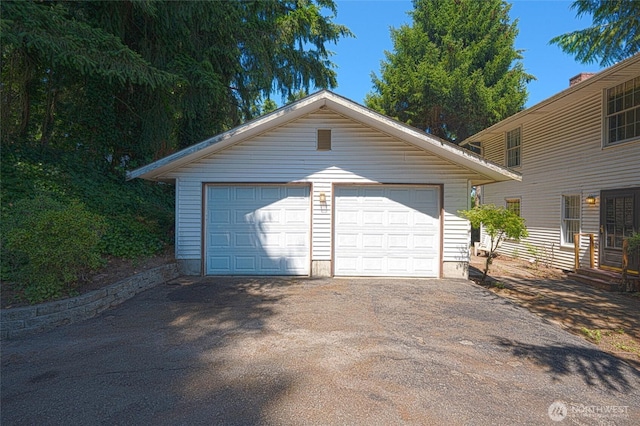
x=425, y=241
x=299, y=193
x=374, y=241
x=269, y=265
x=219, y=263
x=243, y=241
x=398, y=265
x=400, y=196
x=221, y=240
x=297, y=216
x=268, y=226
x=387, y=231
x=346, y=263
x=347, y=240
x=372, y=217
x=295, y=240
x=245, y=193
x=219, y=194
x=373, y=264
x=270, y=194
x=347, y=217
x=399, y=241
x=245, y=264
x=399, y=218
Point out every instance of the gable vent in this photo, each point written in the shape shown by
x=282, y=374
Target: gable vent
x=324, y=140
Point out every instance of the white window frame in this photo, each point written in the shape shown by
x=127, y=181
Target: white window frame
x=564, y=220
x=622, y=111
x=515, y=135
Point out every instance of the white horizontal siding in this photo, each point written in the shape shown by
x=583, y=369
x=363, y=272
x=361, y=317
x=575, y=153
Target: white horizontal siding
x=562, y=154
x=288, y=154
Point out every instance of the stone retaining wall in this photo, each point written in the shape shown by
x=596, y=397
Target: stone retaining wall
x=17, y=322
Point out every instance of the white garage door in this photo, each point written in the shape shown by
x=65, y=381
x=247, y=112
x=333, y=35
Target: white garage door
x=257, y=230
x=387, y=231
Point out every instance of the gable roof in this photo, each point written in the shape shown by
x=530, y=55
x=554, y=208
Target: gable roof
x=596, y=84
x=486, y=171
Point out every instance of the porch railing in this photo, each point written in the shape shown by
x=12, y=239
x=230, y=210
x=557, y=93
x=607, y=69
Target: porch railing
x=576, y=250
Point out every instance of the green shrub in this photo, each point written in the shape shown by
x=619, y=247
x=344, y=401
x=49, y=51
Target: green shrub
x=131, y=238
x=634, y=241
x=48, y=245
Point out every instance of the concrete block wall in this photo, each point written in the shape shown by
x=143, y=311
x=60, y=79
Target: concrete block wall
x=18, y=322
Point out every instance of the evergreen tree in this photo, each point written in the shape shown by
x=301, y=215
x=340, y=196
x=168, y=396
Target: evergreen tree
x=614, y=35
x=129, y=81
x=454, y=71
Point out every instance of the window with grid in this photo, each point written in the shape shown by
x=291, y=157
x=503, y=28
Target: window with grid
x=622, y=119
x=513, y=205
x=513, y=148
x=618, y=220
x=570, y=218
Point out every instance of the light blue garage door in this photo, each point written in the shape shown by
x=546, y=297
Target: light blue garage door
x=257, y=230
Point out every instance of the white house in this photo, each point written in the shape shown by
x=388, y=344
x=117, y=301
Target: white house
x=323, y=187
x=579, y=156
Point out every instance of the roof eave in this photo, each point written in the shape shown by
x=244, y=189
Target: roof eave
x=486, y=171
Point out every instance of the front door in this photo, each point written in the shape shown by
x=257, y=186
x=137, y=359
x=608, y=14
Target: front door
x=619, y=219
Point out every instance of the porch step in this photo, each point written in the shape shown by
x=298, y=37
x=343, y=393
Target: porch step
x=594, y=282
x=605, y=280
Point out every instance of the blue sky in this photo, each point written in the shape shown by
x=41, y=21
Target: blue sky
x=538, y=22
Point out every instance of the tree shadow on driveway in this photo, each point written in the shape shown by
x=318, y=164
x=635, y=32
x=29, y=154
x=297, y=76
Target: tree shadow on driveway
x=591, y=364
x=221, y=321
x=171, y=355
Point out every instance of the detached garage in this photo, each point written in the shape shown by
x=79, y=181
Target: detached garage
x=323, y=187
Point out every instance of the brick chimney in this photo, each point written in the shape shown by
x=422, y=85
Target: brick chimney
x=580, y=78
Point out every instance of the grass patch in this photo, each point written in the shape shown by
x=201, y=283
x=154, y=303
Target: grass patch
x=593, y=335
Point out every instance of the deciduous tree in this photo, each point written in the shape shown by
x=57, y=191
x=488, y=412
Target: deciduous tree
x=497, y=222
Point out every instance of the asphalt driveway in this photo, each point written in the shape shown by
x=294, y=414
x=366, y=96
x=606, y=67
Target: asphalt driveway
x=314, y=351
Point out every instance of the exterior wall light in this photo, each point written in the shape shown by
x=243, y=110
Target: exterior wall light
x=591, y=199
x=323, y=198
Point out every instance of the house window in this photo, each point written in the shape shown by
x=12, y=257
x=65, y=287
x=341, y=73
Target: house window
x=475, y=147
x=324, y=140
x=622, y=120
x=513, y=148
x=570, y=218
x=618, y=220
x=513, y=205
